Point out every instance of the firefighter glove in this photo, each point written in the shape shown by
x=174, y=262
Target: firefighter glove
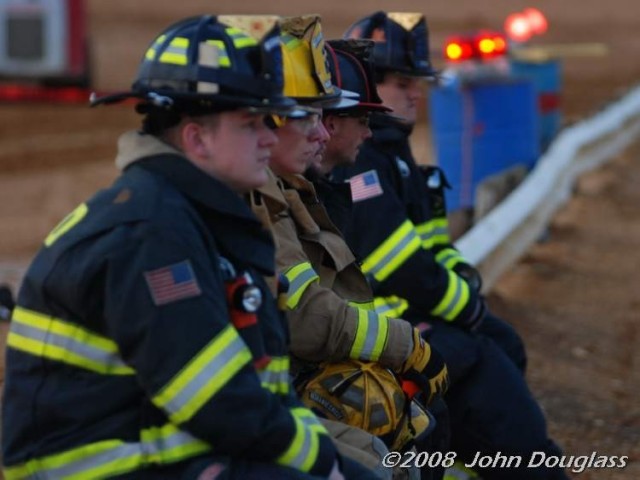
x=425, y=367
x=474, y=316
x=469, y=274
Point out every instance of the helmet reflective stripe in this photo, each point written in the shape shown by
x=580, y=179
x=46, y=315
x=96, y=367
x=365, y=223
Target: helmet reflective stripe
x=204, y=65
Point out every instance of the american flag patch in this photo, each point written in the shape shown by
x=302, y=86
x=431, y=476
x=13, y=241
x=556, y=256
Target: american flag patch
x=172, y=283
x=366, y=185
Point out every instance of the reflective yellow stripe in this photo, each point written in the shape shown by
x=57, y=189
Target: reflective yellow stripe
x=303, y=451
x=240, y=38
x=56, y=339
x=300, y=277
x=454, y=300
x=393, y=252
x=67, y=224
x=160, y=446
x=275, y=376
x=391, y=307
x=449, y=258
x=371, y=336
x=434, y=232
x=223, y=56
x=204, y=376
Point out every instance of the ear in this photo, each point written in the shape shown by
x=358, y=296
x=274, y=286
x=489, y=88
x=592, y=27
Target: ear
x=192, y=141
x=331, y=124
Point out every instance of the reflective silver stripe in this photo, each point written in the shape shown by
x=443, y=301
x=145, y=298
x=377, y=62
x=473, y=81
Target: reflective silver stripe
x=456, y=298
x=108, y=360
x=429, y=238
x=275, y=377
x=370, y=343
x=392, y=254
x=167, y=444
x=204, y=376
x=304, y=450
x=127, y=452
x=299, y=280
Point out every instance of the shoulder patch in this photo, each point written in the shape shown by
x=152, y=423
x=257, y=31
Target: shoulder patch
x=364, y=186
x=172, y=283
x=403, y=167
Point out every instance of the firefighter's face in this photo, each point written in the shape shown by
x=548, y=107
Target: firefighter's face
x=348, y=132
x=301, y=143
x=234, y=147
x=403, y=94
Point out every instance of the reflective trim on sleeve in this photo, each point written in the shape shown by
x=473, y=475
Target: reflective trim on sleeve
x=454, y=300
x=300, y=277
x=449, y=258
x=204, y=376
x=393, y=252
x=390, y=307
x=56, y=339
x=160, y=446
x=371, y=336
x=434, y=232
x=275, y=376
x=303, y=451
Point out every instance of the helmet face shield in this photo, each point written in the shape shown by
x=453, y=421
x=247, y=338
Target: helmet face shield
x=209, y=64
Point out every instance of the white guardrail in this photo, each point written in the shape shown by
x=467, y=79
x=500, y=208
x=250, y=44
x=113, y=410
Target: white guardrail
x=500, y=238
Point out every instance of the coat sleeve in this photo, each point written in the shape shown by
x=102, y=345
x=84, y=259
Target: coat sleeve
x=165, y=307
x=325, y=326
x=390, y=247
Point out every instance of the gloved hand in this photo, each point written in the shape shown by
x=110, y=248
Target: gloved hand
x=470, y=274
x=472, y=317
x=425, y=368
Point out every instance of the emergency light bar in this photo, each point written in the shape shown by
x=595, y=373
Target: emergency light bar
x=482, y=46
x=521, y=26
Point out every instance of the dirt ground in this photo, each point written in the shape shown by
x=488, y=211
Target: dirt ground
x=573, y=297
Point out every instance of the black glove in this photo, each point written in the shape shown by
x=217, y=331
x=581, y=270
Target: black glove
x=432, y=379
x=470, y=274
x=474, y=315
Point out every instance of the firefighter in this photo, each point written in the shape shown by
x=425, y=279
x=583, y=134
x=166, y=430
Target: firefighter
x=406, y=251
x=145, y=342
x=351, y=68
x=330, y=306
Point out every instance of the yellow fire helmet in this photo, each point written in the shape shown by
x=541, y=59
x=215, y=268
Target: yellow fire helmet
x=307, y=78
x=370, y=397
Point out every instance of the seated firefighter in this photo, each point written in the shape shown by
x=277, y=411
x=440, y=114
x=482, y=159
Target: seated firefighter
x=129, y=354
x=330, y=307
x=405, y=251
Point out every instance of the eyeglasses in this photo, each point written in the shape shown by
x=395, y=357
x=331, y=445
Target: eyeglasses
x=362, y=118
x=305, y=124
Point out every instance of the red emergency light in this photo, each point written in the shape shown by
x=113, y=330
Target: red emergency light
x=521, y=26
x=537, y=20
x=482, y=46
